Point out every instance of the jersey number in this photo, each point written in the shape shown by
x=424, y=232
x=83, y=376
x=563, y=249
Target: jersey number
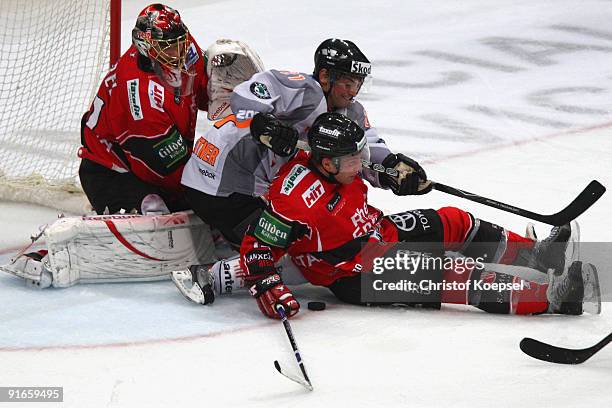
x=94, y=116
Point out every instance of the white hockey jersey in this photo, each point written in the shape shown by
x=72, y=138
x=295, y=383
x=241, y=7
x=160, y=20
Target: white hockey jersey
x=227, y=159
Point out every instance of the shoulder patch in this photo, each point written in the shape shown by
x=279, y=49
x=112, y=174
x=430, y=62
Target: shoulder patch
x=134, y=99
x=291, y=180
x=260, y=90
x=192, y=56
x=313, y=193
x=156, y=95
x=272, y=231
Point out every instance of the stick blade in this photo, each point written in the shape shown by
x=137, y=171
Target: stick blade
x=303, y=383
x=552, y=354
x=581, y=203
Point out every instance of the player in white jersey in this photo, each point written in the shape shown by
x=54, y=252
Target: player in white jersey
x=234, y=162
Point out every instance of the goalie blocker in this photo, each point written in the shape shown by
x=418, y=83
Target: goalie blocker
x=116, y=248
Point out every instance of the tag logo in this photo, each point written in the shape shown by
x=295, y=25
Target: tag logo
x=297, y=173
x=156, y=96
x=260, y=90
x=134, y=99
x=313, y=193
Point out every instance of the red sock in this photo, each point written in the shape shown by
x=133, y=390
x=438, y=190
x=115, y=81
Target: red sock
x=528, y=298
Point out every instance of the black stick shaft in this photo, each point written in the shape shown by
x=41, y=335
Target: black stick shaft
x=581, y=203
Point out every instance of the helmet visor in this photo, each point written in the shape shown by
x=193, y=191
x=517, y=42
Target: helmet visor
x=353, y=163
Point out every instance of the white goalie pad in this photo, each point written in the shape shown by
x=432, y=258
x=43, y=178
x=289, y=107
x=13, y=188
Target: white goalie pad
x=229, y=63
x=124, y=248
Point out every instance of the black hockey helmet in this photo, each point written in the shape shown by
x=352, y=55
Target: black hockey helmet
x=334, y=135
x=341, y=57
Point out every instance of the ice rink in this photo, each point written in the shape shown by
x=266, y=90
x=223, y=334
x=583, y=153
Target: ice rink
x=508, y=99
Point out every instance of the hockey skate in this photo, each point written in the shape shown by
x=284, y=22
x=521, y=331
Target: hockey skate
x=575, y=291
x=195, y=284
x=556, y=252
x=200, y=283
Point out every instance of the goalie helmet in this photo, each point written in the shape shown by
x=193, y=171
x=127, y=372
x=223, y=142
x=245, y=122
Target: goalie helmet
x=334, y=135
x=161, y=35
x=341, y=57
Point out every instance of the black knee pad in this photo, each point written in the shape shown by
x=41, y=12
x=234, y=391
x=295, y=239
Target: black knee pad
x=485, y=240
x=491, y=301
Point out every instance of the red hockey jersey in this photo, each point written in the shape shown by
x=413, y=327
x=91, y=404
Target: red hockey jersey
x=137, y=125
x=337, y=219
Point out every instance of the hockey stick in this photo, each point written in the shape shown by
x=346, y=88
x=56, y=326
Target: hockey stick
x=581, y=203
x=553, y=354
x=593, y=191
x=305, y=381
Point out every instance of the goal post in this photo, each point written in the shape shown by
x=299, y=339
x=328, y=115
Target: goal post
x=53, y=55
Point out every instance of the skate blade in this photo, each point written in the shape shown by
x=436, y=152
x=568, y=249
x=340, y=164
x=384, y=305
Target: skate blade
x=572, y=250
x=592, y=292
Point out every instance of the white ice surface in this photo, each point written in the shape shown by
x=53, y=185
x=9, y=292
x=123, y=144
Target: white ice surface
x=143, y=345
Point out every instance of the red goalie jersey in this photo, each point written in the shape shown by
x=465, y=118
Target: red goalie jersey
x=137, y=125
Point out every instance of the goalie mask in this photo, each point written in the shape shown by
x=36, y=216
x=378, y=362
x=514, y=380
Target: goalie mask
x=161, y=35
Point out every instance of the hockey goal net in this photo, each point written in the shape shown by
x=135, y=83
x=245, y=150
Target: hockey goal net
x=53, y=55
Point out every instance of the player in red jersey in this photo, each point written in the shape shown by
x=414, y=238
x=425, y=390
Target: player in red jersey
x=139, y=130
x=318, y=213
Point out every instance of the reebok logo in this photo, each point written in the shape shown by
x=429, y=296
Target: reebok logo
x=206, y=173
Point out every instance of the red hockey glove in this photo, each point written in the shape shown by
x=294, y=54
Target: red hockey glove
x=266, y=285
x=270, y=292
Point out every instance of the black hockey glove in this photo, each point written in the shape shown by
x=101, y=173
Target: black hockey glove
x=274, y=134
x=412, y=179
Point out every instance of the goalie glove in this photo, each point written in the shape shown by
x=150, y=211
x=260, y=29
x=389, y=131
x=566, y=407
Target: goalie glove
x=271, y=132
x=266, y=285
x=411, y=179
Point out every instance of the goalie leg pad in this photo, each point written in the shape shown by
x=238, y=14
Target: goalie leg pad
x=126, y=248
